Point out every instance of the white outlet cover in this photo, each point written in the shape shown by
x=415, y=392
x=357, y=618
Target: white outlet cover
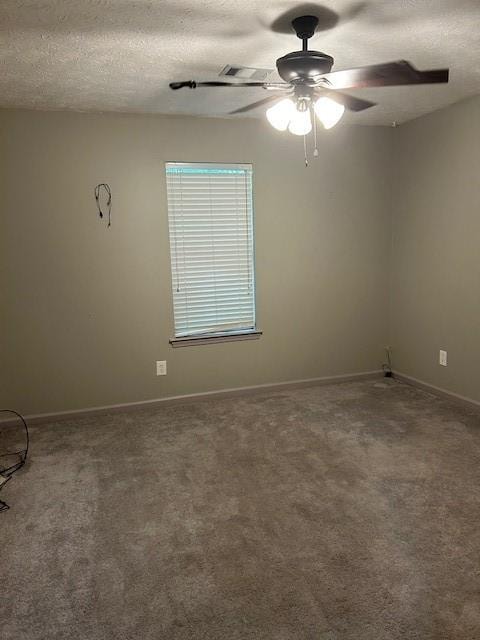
x=161, y=367
x=443, y=358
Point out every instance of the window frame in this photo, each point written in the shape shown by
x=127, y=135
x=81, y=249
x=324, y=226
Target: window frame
x=229, y=335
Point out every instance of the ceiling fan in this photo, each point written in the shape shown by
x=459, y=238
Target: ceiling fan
x=312, y=87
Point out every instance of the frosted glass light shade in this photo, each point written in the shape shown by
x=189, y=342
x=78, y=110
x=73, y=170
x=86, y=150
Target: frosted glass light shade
x=301, y=123
x=280, y=114
x=328, y=112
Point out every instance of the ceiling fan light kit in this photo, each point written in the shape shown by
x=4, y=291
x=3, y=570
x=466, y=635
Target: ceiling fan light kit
x=281, y=113
x=329, y=112
x=301, y=122
x=310, y=87
x=297, y=117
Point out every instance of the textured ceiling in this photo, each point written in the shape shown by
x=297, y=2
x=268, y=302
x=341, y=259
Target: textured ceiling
x=119, y=55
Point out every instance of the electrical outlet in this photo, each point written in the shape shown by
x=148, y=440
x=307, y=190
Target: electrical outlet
x=443, y=358
x=161, y=367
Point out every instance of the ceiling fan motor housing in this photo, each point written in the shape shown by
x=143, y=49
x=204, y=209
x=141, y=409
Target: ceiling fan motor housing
x=304, y=66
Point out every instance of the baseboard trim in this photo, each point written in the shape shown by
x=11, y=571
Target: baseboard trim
x=438, y=391
x=206, y=395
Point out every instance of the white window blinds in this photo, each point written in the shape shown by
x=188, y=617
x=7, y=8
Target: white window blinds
x=211, y=247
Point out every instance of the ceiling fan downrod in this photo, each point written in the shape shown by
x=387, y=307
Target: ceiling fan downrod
x=304, y=67
x=304, y=27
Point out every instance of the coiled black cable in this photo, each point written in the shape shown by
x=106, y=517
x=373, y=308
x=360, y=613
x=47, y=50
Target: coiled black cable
x=106, y=188
x=7, y=472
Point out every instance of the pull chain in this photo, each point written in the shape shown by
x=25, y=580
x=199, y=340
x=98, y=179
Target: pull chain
x=315, y=150
x=305, y=149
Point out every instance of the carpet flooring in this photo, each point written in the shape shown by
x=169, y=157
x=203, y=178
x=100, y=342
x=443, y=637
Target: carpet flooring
x=341, y=512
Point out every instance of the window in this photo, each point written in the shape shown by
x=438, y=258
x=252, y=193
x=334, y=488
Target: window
x=210, y=218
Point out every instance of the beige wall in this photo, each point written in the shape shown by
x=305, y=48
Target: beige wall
x=435, y=290
x=86, y=311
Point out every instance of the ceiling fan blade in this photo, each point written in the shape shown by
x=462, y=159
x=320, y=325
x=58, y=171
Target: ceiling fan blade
x=192, y=84
x=254, y=105
x=389, y=74
x=185, y=83
x=352, y=103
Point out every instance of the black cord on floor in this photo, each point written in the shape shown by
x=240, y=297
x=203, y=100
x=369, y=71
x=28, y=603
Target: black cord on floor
x=7, y=472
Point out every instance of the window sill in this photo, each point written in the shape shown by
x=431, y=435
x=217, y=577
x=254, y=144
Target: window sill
x=214, y=338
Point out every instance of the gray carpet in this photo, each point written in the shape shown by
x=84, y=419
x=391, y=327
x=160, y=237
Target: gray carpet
x=344, y=512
